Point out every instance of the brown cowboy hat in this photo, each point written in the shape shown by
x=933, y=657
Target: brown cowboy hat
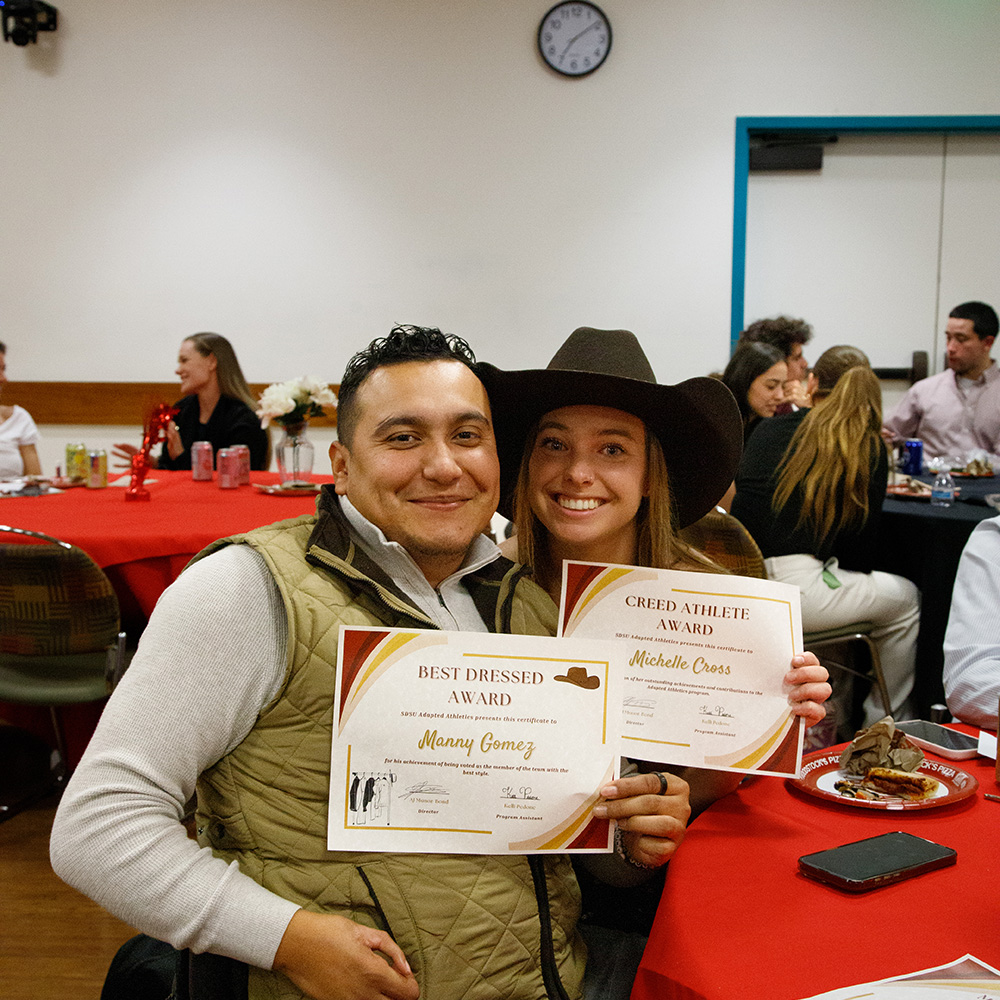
x=696, y=421
x=579, y=677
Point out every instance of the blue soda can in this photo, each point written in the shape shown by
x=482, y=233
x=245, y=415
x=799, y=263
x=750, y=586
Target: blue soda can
x=913, y=458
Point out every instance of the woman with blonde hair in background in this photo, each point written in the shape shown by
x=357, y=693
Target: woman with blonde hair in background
x=809, y=489
x=217, y=406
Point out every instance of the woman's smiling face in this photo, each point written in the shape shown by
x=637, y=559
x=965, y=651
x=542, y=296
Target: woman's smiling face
x=586, y=480
x=767, y=391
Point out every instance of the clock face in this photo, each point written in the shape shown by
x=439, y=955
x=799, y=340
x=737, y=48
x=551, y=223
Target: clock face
x=574, y=38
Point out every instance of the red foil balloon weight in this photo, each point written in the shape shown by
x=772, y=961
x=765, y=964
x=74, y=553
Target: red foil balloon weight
x=155, y=430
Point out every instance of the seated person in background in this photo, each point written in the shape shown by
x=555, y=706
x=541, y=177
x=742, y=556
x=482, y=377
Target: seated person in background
x=957, y=410
x=18, y=435
x=788, y=335
x=231, y=691
x=217, y=407
x=809, y=489
x=972, y=642
x=756, y=376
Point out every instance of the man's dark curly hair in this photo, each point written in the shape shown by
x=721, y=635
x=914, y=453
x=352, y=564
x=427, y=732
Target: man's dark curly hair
x=404, y=343
x=782, y=332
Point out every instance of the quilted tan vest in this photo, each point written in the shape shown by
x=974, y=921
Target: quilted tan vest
x=468, y=925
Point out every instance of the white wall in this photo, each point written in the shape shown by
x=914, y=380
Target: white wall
x=300, y=175
x=881, y=244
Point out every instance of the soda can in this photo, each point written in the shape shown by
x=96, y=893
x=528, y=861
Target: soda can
x=227, y=464
x=76, y=461
x=244, y=452
x=201, y=461
x=97, y=470
x=913, y=456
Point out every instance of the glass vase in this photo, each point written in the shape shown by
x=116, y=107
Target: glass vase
x=295, y=455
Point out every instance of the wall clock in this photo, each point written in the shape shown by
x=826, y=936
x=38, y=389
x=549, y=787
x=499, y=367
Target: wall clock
x=574, y=38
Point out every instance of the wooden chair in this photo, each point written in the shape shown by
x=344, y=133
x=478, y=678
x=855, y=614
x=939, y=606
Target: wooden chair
x=848, y=653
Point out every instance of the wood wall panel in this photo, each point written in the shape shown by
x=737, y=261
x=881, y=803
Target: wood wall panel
x=105, y=402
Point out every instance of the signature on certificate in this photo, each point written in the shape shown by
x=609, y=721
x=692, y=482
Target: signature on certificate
x=423, y=788
x=524, y=792
x=633, y=701
x=718, y=712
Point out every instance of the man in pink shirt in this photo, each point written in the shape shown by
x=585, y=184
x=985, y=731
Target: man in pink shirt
x=958, y=410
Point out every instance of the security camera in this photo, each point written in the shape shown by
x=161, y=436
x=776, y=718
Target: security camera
x=23, y=19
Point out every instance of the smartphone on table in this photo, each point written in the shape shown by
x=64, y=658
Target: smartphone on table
x=940, y=740
x=876, y=861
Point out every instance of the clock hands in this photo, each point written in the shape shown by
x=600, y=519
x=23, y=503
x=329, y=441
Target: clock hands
x=579, y=35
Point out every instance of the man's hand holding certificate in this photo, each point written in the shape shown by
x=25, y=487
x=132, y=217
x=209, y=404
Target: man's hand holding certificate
x=706, y=657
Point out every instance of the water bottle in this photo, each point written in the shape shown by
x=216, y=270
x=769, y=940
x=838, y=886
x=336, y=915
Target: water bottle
x=943, y=490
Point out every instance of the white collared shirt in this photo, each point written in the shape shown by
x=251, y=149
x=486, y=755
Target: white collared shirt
x=449, y=605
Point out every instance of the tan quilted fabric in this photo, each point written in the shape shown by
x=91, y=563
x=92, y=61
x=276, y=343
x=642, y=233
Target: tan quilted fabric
x=468, y=925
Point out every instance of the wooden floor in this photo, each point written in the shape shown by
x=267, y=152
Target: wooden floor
x=55, y=944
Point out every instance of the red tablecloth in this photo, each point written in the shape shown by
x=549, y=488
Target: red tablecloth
x=144, y=545
x=737, y=920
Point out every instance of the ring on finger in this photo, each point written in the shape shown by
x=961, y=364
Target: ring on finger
x=663, y=782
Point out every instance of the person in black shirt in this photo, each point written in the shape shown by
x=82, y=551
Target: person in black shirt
x=809, y=489
x=756, y=376
x=217, y=407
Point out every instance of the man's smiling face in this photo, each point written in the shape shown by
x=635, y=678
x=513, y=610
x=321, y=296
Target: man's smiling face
x=422, y=464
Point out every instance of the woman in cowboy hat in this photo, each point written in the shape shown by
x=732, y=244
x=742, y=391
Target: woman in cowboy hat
x=600, y=463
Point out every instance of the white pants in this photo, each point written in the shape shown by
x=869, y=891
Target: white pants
x=890, y=602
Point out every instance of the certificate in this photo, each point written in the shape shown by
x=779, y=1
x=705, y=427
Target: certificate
x=966, y=977
x=706, y=657
x=471, y=743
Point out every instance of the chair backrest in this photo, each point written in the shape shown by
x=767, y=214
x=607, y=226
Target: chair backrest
x=54, y=599
x=725, y=540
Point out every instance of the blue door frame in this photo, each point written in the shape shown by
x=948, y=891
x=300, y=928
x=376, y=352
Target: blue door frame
x=747, y=128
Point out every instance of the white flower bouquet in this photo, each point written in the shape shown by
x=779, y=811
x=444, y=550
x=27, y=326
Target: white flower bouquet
x=295, y=401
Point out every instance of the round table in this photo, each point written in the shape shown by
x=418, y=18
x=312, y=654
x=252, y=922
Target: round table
x=924, y=544
x=736, y=919
x=142, y=546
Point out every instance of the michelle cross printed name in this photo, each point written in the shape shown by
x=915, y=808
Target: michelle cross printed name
x=431, y=727
x=707, y=655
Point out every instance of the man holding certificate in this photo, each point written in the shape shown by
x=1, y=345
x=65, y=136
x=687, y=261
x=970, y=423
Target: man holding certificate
x=232, y=693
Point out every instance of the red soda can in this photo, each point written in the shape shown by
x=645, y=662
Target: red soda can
x=201, y=461
x=244, y=452
x=227, y=464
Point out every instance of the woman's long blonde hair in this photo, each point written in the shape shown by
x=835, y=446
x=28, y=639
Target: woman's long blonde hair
x=227, y=368
x=830, y=457
x=657, y=542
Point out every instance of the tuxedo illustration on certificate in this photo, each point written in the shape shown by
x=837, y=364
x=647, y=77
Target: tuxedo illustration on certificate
x=472, y=743
x=706, y=656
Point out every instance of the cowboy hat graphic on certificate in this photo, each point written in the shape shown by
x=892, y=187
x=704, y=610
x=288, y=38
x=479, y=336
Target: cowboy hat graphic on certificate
x=706, y=657
x=472, y=743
